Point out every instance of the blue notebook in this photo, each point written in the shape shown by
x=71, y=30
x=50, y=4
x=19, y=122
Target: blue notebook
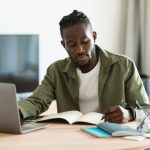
x=107, y=129
x=96, y=131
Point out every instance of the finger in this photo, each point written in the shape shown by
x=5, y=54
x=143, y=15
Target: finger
x=113, y=114
x=114, y=117
x=116, y=120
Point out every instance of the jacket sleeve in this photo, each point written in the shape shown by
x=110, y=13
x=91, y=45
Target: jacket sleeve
x=41, y=98
x=134, y=88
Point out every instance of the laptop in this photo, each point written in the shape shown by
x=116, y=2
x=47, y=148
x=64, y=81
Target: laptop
x=10, y=121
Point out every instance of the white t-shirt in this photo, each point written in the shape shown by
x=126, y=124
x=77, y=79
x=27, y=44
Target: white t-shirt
x=88, y=89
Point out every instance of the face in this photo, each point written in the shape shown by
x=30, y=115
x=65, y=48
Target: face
x=78, y=40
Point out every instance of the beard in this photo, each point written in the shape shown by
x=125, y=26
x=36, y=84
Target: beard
x=81, y=65
x=84, y=60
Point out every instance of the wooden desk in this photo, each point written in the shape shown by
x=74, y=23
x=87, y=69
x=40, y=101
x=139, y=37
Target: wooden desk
x=61, y=136
x=66, y=137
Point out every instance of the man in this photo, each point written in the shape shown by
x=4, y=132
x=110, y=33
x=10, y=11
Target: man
x=91, y=79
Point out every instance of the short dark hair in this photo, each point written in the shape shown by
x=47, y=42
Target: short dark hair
x=73, y=18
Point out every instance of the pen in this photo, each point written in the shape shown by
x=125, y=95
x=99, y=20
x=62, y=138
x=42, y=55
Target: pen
x=141, y=124
x=103, y=117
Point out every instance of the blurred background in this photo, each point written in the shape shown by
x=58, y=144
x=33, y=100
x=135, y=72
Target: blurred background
x=19, y=61
x=123, y=26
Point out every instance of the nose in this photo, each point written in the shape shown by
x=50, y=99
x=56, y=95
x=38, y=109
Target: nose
x=80, y=48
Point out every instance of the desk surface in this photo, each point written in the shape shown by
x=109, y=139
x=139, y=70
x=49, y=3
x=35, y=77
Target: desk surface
x=61, y=136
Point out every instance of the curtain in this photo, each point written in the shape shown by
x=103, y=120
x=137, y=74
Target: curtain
x=145, y=36
x=136, y=33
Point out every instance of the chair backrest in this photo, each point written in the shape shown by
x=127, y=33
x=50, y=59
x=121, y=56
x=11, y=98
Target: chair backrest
x=146, y=82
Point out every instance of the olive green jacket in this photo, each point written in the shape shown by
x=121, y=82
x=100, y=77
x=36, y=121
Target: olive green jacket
x=119, y=84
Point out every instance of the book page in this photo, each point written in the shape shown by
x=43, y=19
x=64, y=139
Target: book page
x=69, y=116
x=91, y=117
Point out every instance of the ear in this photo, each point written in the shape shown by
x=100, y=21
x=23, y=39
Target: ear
x=63, y=43
x=94, y=36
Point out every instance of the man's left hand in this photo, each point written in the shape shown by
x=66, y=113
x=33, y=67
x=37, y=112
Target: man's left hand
x=117, y=114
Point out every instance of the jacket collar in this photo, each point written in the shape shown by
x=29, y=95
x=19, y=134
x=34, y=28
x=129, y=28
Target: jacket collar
x=107, y=60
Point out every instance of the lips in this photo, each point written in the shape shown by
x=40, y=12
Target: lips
x=82, y=57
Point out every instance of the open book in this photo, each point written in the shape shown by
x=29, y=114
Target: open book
x=74, y=117
x=107, y=129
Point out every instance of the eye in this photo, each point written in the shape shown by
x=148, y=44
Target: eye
x=85, y=41
x=71, y=45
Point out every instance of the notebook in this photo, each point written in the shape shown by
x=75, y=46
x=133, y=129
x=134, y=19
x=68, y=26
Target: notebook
x=107, y=129
x=74, y=116
x=10, y=121
x=93, y=130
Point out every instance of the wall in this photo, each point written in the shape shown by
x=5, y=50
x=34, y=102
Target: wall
x=42, y=17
